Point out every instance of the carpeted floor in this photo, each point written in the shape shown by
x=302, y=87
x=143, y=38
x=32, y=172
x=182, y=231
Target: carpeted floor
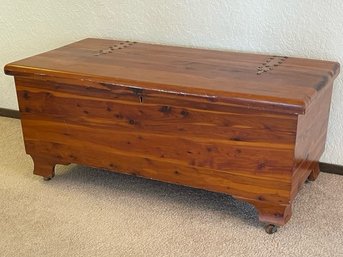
x=88, y=212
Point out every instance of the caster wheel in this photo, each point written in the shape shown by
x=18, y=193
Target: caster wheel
x=47, y=178
x=270, y=228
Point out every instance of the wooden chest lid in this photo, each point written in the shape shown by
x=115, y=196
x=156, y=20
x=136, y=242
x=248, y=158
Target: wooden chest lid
x=277, y=83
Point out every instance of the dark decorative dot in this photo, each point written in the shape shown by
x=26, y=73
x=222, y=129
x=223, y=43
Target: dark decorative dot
x=86, y=112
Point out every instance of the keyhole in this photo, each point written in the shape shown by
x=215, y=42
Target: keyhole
x=141, y=99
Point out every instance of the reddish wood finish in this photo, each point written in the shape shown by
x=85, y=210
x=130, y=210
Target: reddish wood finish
x=252, y=126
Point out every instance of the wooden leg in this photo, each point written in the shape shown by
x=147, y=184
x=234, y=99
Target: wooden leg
x=44, y=167
x=274, y=214
x=314, y=173
x=271, y=214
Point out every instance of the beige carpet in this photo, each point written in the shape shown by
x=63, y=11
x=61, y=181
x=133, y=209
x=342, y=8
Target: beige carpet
x=88, y=212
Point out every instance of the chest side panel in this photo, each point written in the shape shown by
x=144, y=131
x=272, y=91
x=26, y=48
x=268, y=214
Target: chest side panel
x=175, y=138
x=311, y=137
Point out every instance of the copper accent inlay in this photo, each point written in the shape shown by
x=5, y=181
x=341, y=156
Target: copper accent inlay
x=117, y=46
x=270, y=64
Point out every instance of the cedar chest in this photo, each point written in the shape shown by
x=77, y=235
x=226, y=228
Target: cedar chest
x=252, y=126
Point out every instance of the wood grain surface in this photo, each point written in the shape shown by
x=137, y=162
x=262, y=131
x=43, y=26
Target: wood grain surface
x=224, y=76
x=252, y=126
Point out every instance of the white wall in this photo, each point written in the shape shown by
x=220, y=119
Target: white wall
x=306, y=28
